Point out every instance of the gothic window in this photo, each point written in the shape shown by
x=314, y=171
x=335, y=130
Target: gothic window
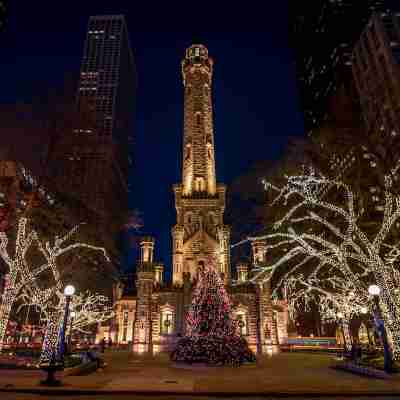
x=188, y=151
x=211, y=218
x=241, y=317
x=125, y=318
x=124, y=334
x=209, y=153
x=200, y=185
x=189, y=218
x=166, y=322
x=198, y=118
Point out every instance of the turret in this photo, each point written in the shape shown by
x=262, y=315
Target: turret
x=259, y=250
x=158, y=272
x=242, y=270
x=146, y=249
x=142, y=330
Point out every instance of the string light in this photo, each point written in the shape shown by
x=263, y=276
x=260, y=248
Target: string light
x=213, y=335
x=22, y=281
x=341, y=250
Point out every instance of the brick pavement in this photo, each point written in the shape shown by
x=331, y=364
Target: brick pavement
x=291, y=373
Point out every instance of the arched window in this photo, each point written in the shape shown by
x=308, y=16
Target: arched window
x=241, y=317
x=166, y=322
x=200, y=184
x=211, y=218
x=189, y=218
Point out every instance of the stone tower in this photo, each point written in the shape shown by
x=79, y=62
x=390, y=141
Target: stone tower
x=199, y=200
x=142, y=327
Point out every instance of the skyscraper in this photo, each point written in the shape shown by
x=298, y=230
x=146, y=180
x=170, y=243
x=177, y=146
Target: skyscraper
x=323, y=36
x=96, y=157
x=376, y=70
x=3, y=11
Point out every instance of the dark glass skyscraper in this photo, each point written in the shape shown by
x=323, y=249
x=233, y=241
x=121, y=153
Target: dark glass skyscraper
x=323, y=36
x=107, y=81
x=3, y=11
x=376, y=70
x=93, y=162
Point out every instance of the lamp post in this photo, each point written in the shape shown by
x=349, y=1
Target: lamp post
x=58, y=365
x=375, y=291
x=71, y=320
x=69, y=291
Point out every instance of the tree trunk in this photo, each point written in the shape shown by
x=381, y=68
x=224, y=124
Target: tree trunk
x=389, y=309
x=5, y=310
x=346, y=335
x=50, y=347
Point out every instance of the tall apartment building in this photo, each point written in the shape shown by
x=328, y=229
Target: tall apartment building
x=323, y=37
x=376, y=70
x=3, y=13
x=97, y=156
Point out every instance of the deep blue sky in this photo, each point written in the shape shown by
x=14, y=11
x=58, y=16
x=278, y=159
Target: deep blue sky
x=255, y=99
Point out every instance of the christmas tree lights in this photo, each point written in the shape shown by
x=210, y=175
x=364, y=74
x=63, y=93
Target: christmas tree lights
x=212, y=335
x=24, y=280
x=339, y=248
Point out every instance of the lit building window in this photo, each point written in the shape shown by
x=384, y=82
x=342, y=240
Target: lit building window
x=167, y=322
x=242, y=322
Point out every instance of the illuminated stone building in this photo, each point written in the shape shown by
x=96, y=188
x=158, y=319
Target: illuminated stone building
x=150, y=314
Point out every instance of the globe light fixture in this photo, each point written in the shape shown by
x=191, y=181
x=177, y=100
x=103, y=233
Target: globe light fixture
x=69, y=290
x=374, y=290
x=364, y=310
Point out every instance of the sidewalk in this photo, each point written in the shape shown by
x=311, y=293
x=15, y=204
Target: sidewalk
x=286, y=373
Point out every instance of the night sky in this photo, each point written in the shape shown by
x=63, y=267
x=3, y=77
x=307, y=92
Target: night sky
x=255, y=101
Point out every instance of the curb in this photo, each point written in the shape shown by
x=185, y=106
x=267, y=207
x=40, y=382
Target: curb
x=80, y=391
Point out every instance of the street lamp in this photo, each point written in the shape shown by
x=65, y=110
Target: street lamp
x=71, y=320
x=69, y=291
x=364, y=310
x=58, y=365
x=375, y=291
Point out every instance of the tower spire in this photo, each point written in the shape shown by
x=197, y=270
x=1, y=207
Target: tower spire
x=198, y=172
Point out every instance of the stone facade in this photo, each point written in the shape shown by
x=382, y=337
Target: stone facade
x=151, y=318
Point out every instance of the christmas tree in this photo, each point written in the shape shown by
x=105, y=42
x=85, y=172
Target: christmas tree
x=212, y=333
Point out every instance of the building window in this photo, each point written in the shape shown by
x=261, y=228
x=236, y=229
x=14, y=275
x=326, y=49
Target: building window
x=167, y=322
x=124, y=334
x=189, y=218
x=125, y=317
x=242, y=322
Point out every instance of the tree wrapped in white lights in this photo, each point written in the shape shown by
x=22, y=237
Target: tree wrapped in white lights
x=340, y=247
x=88, y=308
x=25, y=280
x=337, y=299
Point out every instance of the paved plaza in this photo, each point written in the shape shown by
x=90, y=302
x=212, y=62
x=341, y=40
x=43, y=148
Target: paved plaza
x=285, y=373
